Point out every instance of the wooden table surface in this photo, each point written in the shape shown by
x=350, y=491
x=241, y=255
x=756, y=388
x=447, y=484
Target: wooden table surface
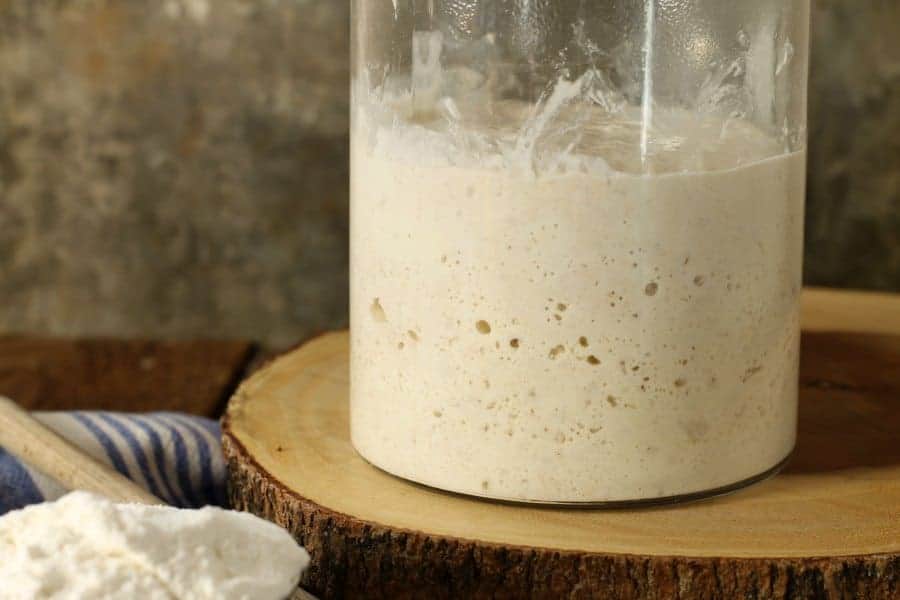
x=195, y=377
x=198, y=377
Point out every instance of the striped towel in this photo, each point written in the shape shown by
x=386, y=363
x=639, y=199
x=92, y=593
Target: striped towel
x=176, y=457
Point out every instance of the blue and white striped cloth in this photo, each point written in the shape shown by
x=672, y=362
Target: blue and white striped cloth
x=176, y=457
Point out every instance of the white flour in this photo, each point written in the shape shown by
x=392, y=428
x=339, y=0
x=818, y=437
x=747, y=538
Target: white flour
x=84, y=546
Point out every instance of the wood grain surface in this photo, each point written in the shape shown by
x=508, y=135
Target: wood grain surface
x=121, y=375
x=829, y=526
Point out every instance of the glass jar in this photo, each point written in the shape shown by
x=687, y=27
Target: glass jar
x=576, y=234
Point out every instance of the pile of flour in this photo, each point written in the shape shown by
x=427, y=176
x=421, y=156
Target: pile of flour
x=84, y=546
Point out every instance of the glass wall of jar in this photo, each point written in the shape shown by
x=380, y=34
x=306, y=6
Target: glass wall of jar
x=576, y=232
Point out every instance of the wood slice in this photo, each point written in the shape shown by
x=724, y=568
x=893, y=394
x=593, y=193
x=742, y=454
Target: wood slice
x=827, y=527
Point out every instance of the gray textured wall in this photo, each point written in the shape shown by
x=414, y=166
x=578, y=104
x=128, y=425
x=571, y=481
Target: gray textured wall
x=853, y=223
x=179, y=167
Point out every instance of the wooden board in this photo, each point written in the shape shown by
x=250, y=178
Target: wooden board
x=827, y=527
x=121, y=375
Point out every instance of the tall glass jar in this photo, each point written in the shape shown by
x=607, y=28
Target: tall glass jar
x=576, y=243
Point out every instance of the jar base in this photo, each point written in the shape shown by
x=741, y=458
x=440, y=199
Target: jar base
x=612, y=504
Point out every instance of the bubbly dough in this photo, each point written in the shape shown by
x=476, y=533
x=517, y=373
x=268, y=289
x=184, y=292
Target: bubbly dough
x=571, y=327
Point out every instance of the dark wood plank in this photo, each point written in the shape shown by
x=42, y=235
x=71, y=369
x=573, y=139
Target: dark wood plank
x=121, y=375
x=849, y=402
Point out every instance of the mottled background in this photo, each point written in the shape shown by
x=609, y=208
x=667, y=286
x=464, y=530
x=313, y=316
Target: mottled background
x=179, y=167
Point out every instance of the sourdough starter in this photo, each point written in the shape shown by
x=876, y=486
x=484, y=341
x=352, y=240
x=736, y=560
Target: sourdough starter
x=566, y=329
